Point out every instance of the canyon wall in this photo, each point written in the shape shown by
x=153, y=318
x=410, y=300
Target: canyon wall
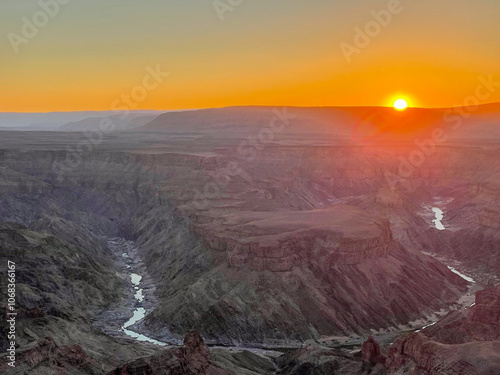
x=295, y=245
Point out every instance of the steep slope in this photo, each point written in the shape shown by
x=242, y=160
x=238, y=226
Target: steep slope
x=481, y=322
x=60, y=284
x=418, y=354
x=266, y=260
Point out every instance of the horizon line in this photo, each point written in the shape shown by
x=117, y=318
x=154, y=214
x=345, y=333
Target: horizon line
x=245, y=106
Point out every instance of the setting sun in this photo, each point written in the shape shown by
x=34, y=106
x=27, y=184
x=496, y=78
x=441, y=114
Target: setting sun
x=400, y=104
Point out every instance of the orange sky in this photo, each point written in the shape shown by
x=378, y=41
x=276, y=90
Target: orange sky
x=91, y=53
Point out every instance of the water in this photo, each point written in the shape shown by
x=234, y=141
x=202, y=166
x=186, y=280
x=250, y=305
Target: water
x=139, y=296
x=467, y=300
x=139, y=312
x=438, y=213
x=136, y=279
x=424, y=327
x=465, y=277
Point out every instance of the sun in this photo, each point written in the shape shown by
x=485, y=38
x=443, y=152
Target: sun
x=400, y=105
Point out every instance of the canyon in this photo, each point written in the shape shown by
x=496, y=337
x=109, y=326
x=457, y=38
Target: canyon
x=263, y=240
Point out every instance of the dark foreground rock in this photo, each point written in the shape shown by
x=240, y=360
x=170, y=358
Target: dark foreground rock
x=373, y=360
x=463, y=343
x=318, y=360
x=46, y=357
x=420, y=355
x=193, y=358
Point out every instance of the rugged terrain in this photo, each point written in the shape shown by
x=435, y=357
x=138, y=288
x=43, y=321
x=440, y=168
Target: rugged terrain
x=257, y=226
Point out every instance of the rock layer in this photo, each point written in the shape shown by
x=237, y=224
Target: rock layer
x=193, y=358
x=417, y=354
x=269, y=259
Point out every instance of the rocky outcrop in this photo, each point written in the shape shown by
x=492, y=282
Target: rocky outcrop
x=339, y=235
x=60, y=285
x=419, y=354
x=480, y=322
x=47, y=357
x=465, y=342
x=371, y=355
x=314, y=359
x=487, y=307
x=193, y=358
x=57, y=278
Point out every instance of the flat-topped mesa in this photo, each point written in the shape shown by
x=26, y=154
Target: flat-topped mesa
x=278, y=241
x=487, y=308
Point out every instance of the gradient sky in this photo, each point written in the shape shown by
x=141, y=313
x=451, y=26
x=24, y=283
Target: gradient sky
x=279, y=52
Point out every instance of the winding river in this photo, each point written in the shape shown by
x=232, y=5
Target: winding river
x=465, y=277
x=438, y=213
x=143, y=297
x=140, y=311
x=131, y=265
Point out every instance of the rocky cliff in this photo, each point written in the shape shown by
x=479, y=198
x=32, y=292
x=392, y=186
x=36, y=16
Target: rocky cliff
x=193, y=358
x=270, y=257
x=418, y=354
x=250, y=240
x=480, y=322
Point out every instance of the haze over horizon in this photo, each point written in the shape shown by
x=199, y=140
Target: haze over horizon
x=285, y=53
x=253, y=105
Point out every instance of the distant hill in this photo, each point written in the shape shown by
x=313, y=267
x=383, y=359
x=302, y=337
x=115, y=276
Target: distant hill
x=132, y=121
x=340, y=122
x=54, y=120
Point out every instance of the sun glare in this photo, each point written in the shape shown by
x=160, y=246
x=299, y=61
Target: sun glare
x=400, y=104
